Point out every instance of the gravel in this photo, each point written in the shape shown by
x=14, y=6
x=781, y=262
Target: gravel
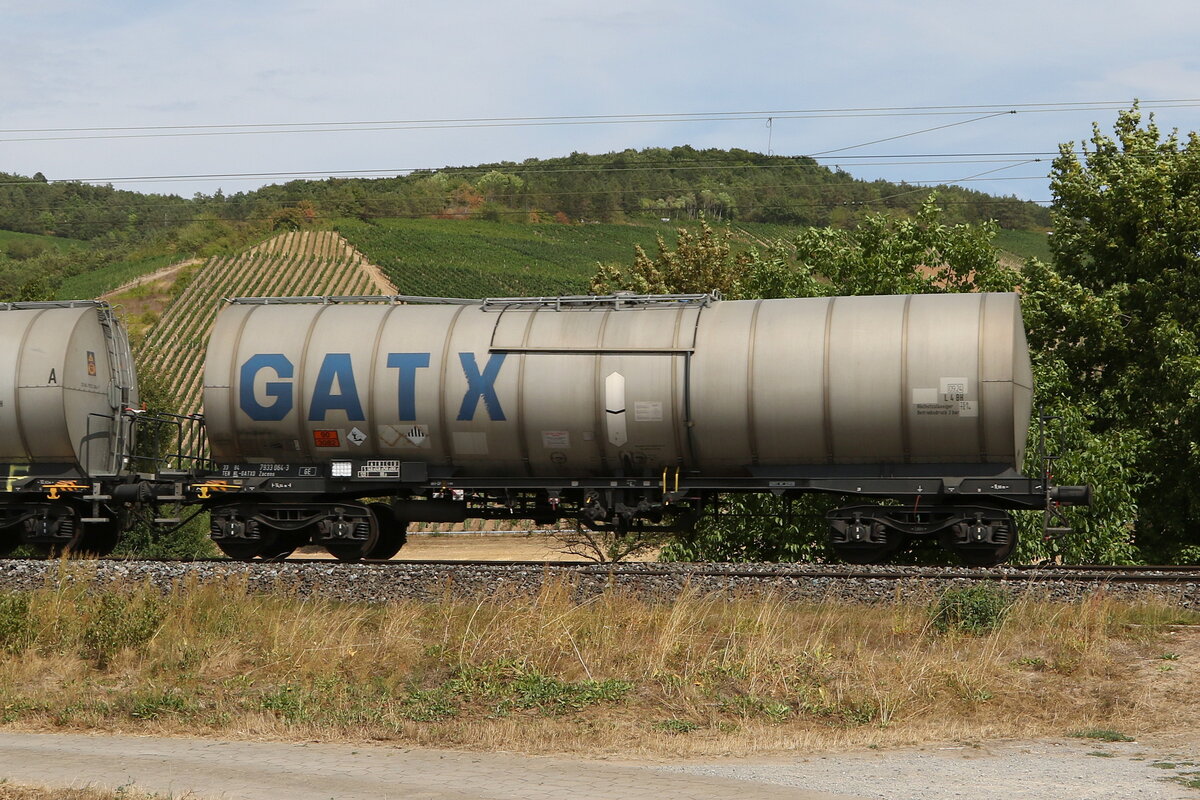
x=377, y=583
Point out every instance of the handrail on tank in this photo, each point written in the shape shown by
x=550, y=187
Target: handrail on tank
x=394, y=299
x=617, y=300
x=26, y=305
x=177, y=459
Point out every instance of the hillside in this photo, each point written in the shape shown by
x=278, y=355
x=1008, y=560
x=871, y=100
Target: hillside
x=116, y=235
x=677, y=184
x=463, y=258
x=171, y=314
x=453, y=258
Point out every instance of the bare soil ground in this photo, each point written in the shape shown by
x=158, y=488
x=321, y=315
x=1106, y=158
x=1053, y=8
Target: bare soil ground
x=475, y=546
x=483, y=547
x=156, y=294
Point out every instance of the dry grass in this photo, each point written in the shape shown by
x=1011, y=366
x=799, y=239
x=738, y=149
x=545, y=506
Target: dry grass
x=15, y=792
x=702, y=675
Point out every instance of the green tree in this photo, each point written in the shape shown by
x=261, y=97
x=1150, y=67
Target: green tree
x=1115, y=323
x=701, y=262
x=500, y=187
x=883, y=255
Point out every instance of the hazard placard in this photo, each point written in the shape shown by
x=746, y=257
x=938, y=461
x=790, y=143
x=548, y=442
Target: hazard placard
x=326, y=439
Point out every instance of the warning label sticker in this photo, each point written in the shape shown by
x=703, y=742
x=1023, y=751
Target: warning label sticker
x=556, y=440
x=647, y=411
x=404, y=436
x=326, y=439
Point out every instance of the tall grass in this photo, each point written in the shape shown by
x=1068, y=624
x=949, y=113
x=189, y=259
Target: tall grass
x=700, y=674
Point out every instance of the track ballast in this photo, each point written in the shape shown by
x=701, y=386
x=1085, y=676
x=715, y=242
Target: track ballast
x=377, y=582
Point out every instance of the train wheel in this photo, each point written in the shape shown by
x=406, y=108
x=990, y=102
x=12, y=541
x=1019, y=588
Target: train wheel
x=51, y=524
x=873, y=554
x=393, y=532
x=241, y=550
x=986, y=554
x=282, y=546
x=887, y=542
x=356, y=550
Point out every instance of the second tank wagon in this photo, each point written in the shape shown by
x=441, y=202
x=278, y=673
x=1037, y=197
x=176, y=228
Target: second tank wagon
x=620, y=411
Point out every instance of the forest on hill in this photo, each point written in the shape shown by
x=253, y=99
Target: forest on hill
x=657, y=183
x=130, y=232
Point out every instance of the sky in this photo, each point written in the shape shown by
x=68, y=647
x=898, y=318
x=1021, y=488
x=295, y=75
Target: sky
x=182, y=96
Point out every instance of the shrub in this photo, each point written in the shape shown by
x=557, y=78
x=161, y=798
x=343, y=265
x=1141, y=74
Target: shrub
x=16, y=632
x=975, y=610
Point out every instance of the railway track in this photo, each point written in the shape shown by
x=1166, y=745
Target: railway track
x=382, y=581
x=768, y=571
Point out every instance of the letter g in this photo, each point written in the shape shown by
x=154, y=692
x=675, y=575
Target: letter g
x=280, y=390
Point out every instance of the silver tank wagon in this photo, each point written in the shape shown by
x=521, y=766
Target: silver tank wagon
x=623, y=410
x=66, y=377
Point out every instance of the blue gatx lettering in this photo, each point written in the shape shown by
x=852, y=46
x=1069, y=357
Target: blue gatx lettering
x=336, y=366
x=406, y=387
x=481, y=386
x=280, y=390
x=335, y=388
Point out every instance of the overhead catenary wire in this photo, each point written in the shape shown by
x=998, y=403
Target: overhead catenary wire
x=240, y=128
x=829, y=158
x=914, y=133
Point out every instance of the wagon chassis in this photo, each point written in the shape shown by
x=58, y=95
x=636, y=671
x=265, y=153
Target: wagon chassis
x=968, y=516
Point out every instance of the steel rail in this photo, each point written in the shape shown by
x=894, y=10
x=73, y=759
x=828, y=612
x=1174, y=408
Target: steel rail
x=1075, y=573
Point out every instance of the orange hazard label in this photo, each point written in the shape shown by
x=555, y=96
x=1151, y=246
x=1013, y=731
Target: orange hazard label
x=326, y=439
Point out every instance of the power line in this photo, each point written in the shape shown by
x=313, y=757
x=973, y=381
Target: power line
x=914, y=133
x=1095, y=105
x=244, y=129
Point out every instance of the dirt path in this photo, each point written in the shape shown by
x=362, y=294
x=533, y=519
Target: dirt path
x=1068, y=769
x=267, y=770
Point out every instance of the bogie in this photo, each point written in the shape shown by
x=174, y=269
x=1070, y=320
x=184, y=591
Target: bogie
x=976, y=536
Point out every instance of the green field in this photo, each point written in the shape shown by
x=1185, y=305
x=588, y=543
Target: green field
x=454, y=258
x=92, y=284
x=1025, y=244
x=470, y=258
x=459, y=258
x=12, y=243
